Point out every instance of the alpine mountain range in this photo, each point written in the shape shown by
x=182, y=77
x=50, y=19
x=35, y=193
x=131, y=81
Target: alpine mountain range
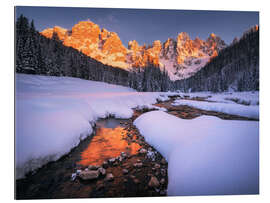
x=89, y=52
x=180, y=57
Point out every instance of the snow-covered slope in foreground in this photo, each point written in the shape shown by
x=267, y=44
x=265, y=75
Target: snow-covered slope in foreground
x=206, y=155
x=54, y=113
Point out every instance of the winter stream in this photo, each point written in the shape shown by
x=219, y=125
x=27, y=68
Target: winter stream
x=110, y=140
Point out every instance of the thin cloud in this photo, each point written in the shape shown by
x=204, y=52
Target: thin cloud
x=107, y=19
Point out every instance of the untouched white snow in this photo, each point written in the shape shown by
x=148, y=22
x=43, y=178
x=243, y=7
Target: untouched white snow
x=206, y=155
x=54, y=113
x=229, y=108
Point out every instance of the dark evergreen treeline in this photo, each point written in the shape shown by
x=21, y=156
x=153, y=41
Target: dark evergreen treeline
x=36, y=54
x=236, y=66
x=150, y=78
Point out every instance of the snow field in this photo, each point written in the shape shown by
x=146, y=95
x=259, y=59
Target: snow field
x=206, y=155
x=228, y=108
x=54, y=113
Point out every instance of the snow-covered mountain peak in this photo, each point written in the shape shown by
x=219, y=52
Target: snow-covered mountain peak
x=181, y=57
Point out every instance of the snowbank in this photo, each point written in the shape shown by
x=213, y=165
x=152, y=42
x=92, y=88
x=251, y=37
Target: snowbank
x=54, y=113
x=206, y=155
x=233, y=109
x=246, y=98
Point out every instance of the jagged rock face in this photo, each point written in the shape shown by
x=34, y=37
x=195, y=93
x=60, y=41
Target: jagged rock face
x=84, y=37
x=140, y=56
x=61, y=32
x=168, y=49
x=181, y=57
x=136, y=54
x=185, y=48
x=153, y=53
x=113, y=47
x=87, y=37
x=184, y=57
x=214, y=44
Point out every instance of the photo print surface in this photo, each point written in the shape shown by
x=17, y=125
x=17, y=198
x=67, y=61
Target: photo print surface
x=135, y=102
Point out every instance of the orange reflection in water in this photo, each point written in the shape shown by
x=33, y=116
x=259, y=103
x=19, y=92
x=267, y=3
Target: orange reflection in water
x=106, y=144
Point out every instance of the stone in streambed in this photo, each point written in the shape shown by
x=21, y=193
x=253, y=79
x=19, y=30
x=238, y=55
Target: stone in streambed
x=105, y=164
x=136, y=181
x=163, y=161
x=157, y=166
x=102, y=171
x=109, y=177
x=163, y=172
x=138, y=165
x=153, y=183
x=89, y=175
x=125, y=171
x=162, y=181
x=73, y=176
x=112, y=160
x=162, y=192
x=142, y=151
x=93, y=167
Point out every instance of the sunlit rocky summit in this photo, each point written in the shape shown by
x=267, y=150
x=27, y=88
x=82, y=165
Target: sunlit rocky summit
x=181, y=57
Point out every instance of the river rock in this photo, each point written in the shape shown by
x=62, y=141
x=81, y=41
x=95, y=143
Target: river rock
x=112, y=160
x=73, y=176
x=162, y=192
x=109, y=177
x=151, y=155
x=102, y=171
x=157, y=166
x=125, y=171
x=163, y=161
x=162, y=181
x=120, y=158
x=136, y=181
x=123, y=155
x=129, y=135
x=93, y=167
x=132, y=176
x=89, y=175
x=163, y=172
x=157, y=190
x=153, y=183
x=105, y=164
x=138, y=165
x=100, y=186
x=142, y=151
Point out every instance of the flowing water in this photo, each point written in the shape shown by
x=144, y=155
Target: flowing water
x=110, y=140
